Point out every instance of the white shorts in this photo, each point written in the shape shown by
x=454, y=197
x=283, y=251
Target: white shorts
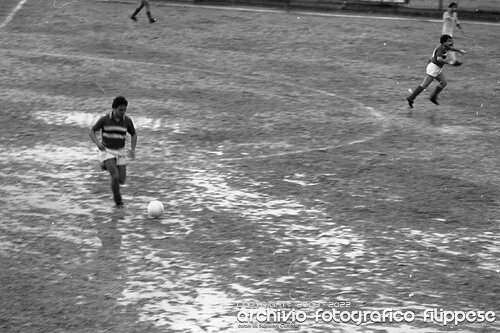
x=433, y=69
x=121, y=155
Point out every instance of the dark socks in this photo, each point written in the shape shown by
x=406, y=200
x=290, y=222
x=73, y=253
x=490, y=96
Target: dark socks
x=415, y=93
x=436, y=93
x=151, y=19
x=138, y=9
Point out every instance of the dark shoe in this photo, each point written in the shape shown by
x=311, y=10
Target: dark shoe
x=133, y=18
x=457, y=63
x=410, y=102
x=152, y=20
x=434, y=100
x=119, y=203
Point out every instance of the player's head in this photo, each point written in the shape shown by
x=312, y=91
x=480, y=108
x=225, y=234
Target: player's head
x=119, y=107
x=119, y=101
x=453, y=5
x=445, y=38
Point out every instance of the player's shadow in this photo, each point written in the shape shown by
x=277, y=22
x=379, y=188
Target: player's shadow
x=110, y=236
x=433, y=117
x=105, y=268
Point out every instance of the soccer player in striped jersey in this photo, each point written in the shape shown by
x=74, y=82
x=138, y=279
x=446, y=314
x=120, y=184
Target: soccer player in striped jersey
x=144, y=3
x=113, y=155
x=434, y=70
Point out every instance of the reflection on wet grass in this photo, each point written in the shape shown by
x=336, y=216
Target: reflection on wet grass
x=287, y=171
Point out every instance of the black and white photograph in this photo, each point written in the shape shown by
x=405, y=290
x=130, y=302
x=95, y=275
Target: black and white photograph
x=250, y=166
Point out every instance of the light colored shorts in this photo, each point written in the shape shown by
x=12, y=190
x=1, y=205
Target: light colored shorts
x=433, y=69
x=121, y=155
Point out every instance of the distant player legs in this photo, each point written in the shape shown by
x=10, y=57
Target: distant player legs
x=144, y=3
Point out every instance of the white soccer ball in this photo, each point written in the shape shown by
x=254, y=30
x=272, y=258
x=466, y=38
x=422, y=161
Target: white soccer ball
x=155, y=209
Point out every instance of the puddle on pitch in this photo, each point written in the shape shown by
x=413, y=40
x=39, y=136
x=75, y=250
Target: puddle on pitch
x=225, y=241
x=86, y=120
x=180, y=293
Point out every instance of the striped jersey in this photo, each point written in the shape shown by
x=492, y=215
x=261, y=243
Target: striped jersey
x=114, y=132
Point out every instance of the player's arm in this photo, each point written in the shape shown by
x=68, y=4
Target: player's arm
x=443, y=61
x=457, y=23
x=133, y=140
x=133, y=143
x=93, y=136
x=440, y=58
x=457, y=50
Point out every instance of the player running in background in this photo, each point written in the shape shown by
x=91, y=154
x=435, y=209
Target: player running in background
x=144, y=3
x=113, y=155
x=434, y=70
x=450, y=21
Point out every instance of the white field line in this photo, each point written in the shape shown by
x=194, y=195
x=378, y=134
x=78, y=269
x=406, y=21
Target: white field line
x=112, y=60
x=309, y=13
x=13, y=13
x=372, y=113
x=64, y=4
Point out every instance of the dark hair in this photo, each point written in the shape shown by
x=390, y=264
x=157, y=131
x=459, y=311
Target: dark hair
x=453, y=4
x=445, y=38
x=120, y=100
